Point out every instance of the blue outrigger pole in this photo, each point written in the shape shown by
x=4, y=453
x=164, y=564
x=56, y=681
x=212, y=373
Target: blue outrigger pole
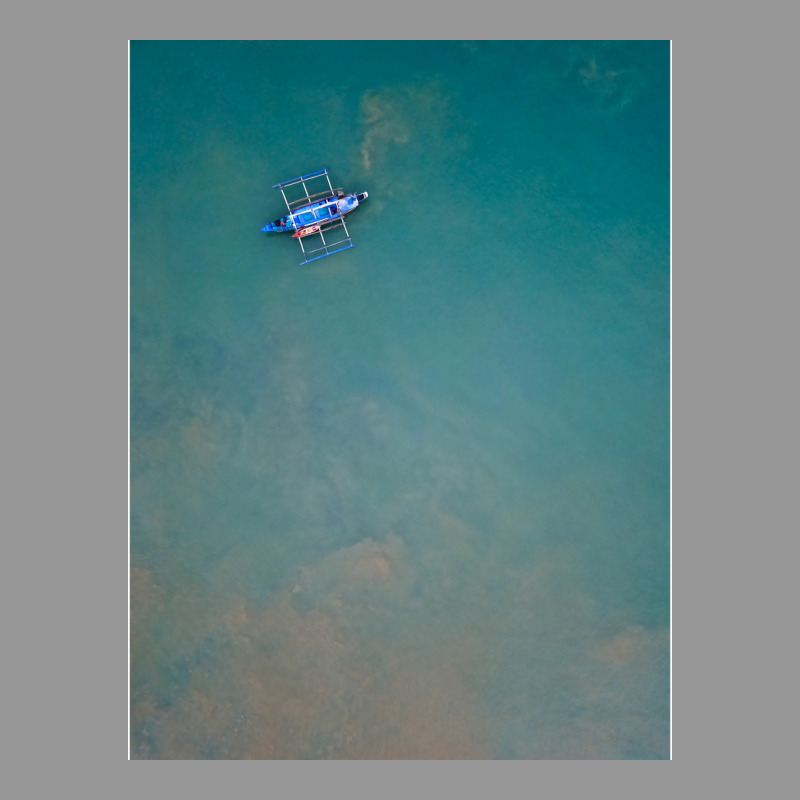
x=318, y=213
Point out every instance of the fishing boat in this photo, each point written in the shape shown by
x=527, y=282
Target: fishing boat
x=318, y=213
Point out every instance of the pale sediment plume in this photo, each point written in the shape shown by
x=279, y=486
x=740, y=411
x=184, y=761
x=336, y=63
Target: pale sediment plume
x=623, y=689
x=622, y=648
x=201, y=436
x=331, y=668
x=610, y=78
x=419, y=646
x=329, y=694
x=402, y=114
x=146, y=602
x=385, y=124
x=320, y=683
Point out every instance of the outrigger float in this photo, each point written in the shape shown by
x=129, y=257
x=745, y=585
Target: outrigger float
x=318, y=213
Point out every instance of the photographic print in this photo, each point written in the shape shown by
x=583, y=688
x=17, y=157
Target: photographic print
x=399, y=400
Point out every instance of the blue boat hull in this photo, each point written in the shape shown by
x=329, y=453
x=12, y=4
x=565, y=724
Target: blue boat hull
x=319, y=212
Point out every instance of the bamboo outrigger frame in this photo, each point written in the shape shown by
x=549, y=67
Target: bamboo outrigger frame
x=307, y=199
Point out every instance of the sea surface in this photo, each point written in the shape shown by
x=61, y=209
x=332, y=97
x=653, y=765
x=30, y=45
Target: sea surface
x=411, y=501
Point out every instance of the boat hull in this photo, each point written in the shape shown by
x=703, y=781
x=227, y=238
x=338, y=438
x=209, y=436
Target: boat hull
x=317, y=213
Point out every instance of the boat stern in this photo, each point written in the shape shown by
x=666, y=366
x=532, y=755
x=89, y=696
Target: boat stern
x=279, y=226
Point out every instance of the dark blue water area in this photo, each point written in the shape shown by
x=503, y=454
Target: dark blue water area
x=412, y=500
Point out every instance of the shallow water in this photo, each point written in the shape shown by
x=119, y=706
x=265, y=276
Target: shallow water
x=412, y=500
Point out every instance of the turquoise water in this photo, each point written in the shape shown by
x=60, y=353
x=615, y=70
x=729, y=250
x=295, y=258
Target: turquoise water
x=412, y=500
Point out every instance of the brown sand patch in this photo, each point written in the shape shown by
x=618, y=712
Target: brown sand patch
x=614, y=82
x=314, y=684
x=397, y=115
x=146, y=595
x=340, y=578
x=201, y=436
x=385, y=125
x=203, y=725
x=621, y=648
x=146, y=601
x=398, y=707
x=633, y=644
x=421, y=707
x=371, y=561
